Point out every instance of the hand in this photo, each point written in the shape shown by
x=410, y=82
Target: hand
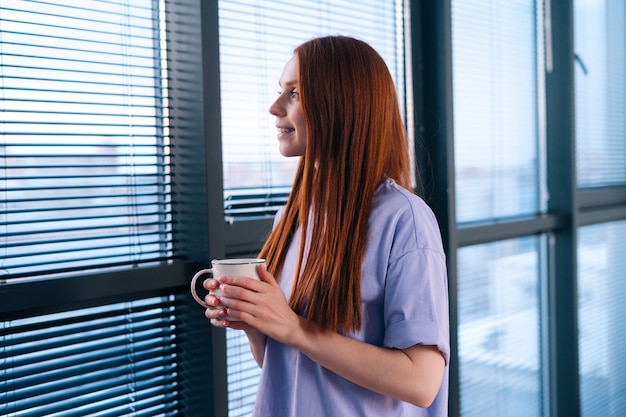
x=259, y=304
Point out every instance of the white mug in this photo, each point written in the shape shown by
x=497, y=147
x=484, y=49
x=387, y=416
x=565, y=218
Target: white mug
x=242, y=267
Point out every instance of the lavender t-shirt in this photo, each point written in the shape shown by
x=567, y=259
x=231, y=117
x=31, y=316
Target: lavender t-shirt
x=404, y=296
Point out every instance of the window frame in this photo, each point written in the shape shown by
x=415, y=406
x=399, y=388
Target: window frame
x=568, y=208
x=198, y=231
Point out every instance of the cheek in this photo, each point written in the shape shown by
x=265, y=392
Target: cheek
x=301, y=128
x=298, y=118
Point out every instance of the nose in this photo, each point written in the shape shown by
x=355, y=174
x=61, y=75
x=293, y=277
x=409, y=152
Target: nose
x=276, y=108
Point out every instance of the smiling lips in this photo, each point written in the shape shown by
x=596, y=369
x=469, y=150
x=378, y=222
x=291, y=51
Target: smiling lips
x=283, y=131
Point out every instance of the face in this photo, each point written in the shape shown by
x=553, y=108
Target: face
x=288, y=113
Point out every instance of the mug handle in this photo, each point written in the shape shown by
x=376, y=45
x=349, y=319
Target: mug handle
x=193, y=286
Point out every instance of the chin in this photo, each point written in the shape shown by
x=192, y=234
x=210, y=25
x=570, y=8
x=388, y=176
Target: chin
x=290, y=152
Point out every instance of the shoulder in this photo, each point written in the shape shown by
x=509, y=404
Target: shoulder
x=407, y=216
x=394, y=203
x=391, y=196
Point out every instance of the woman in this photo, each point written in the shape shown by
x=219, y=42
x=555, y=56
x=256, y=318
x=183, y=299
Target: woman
x=351, y=316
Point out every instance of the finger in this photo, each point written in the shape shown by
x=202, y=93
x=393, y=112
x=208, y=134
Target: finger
x=215, y=313
x=239, y=302
x=247, y=283
x=210, y=284
x=211, y=300
x=233, y=296
x=220, y=323
x=265, y=275
x=234, y=314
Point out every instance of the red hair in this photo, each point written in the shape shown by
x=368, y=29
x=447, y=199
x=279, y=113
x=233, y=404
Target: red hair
x=355, y=140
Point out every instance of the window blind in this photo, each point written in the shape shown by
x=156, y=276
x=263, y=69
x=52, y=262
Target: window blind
x=601, y=290
x=497, y=76
x=500, y=329
x=83, y=136
x=256, y=40
x=113, y=360
x=600, y=72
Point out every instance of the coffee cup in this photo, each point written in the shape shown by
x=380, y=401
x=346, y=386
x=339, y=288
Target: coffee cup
x=243, y=267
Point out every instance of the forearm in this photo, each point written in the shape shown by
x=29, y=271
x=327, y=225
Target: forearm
x=257, y=342
x=413, y=375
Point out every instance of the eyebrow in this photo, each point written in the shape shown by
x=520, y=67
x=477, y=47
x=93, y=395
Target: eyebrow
x=288, y=83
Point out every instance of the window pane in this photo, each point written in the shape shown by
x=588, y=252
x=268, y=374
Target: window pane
x=256, y=40
x=499, y=315
x=602, y=319
x=243, y=375
x=600, y=74
x=117, y=359
x=83, y=163
x=495, y=77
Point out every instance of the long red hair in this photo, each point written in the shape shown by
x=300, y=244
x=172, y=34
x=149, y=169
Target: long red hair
x=355, y=139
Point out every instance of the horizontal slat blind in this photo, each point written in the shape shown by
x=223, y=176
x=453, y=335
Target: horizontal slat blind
x=499, y=332
x=256, y=40
x=601, y=290
x=84, y=159
x=496, y=70
x=600, y=77
x=251, y=203
x=242, y=373
x=113, y=360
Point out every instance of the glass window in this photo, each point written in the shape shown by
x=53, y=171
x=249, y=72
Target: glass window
x=601, y=319
x=84, y=180
x=600, y=74
x=116, y=359
x=496, y=84
x=499, y=329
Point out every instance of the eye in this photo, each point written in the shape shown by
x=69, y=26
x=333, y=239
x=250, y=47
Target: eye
x=293, y=93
